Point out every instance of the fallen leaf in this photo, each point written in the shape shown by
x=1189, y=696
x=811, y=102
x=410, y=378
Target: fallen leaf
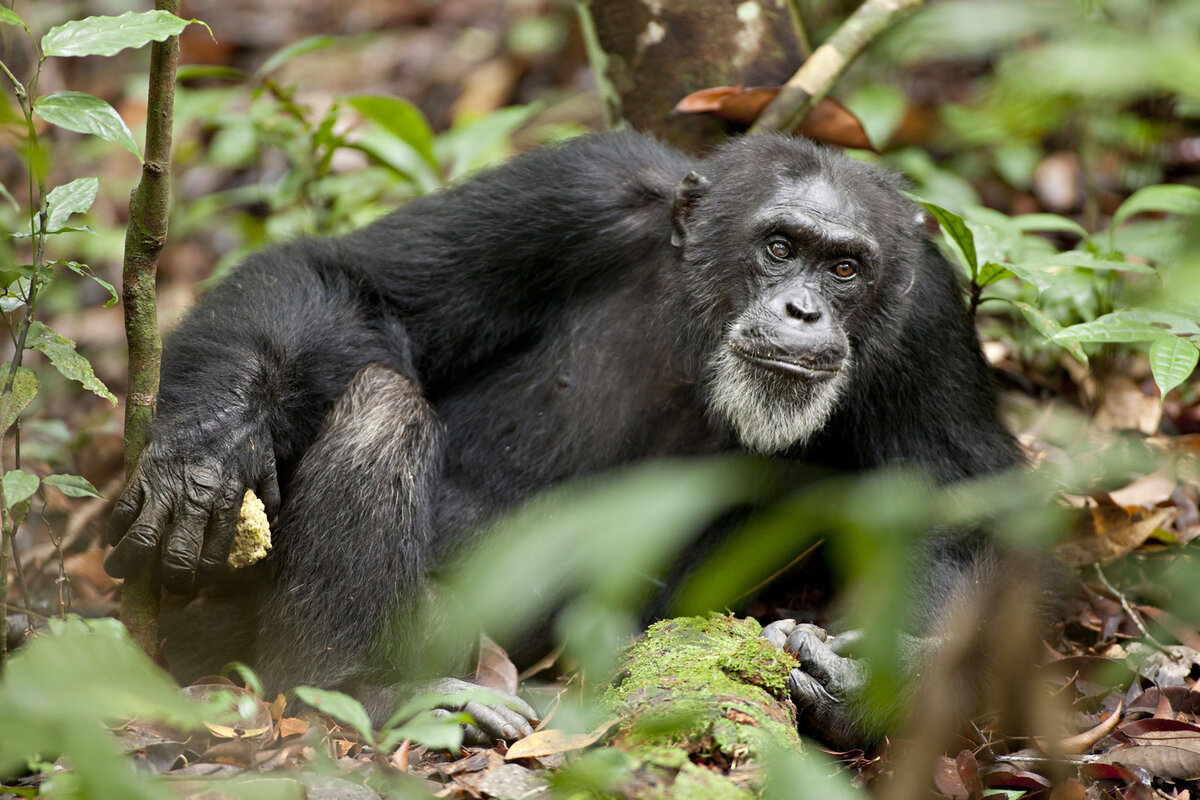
x=1082, y=742
x=495, y=670
x=829, y=121
x=552, y=741
x=1173, y=762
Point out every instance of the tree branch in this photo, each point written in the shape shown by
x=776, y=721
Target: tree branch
x=144, y=239
x=819, y=72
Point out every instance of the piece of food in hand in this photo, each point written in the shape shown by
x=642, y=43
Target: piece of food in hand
x=253, y=537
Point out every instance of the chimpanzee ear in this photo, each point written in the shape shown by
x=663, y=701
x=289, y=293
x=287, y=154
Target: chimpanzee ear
x=683, y=200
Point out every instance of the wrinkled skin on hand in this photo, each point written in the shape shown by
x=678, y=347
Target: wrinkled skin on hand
x=511, y=720
x=826, y=685
x=184, y=509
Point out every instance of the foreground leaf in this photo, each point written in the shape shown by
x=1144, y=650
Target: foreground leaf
x=61, y=352
x=956, y=229
x=106, y=36
x=75, y=197
x=84, y=113
x=1172, y=359
x=24, y=389
x=19, y=486
x=72, y=485
x=340, y=706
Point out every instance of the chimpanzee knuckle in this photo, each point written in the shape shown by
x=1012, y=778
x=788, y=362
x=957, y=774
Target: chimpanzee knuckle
x=777, y=632
x=808, y=692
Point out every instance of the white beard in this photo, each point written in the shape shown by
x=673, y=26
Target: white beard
x=770, y=411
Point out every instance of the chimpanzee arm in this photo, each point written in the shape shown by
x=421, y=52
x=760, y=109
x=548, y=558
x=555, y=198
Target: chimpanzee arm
x=246, y=381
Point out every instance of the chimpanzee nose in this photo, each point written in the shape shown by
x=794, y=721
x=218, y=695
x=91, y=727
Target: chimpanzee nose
x=799, y=310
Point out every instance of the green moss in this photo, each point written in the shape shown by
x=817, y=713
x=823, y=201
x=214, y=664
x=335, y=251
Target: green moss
x=697, y=696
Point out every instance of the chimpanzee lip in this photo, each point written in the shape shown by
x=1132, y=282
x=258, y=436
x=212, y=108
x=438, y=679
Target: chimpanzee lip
x=781, y=362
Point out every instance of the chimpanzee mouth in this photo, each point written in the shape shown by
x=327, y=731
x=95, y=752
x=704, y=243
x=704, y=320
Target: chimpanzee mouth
x=780, y=362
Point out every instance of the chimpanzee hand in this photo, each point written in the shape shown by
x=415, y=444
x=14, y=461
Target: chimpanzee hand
x=826, y=685
x=186, y=506
x=509, y=721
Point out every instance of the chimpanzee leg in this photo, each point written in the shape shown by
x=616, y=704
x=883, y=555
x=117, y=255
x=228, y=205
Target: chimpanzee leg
x=352, y=537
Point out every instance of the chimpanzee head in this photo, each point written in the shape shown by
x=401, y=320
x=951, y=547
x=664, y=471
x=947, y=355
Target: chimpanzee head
x=797, y=263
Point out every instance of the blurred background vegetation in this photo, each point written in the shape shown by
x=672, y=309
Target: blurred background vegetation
x=1057, y=140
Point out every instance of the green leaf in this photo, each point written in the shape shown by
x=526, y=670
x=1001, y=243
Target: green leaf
x=435, y=731
x=1111, y=328
x=956, y=229
x=19, y=486
x=24, y=389
x=1048, y=222
x=1172, y=359
x=1080, y=258
x=284, y=54
x=86, y=271
x=72, y=485
x=83, y=113
x=341, y=707
x=1171, y=198
x=401, y=119
x=7, y=195
x=75, y=197
x=9, y=17
x=106, y=36
x=991, y=272
x=61, y=352
x=1049, y=327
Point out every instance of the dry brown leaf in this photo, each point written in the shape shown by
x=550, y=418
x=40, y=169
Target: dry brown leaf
x=1082, y=742
x=1173, y=761
x=495, y=670
x=1148, y=490
x=291, y=726
x=829, y=121
x=1110, y=531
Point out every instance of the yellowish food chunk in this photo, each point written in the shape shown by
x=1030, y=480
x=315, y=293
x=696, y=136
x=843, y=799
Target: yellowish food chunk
x=253, y=537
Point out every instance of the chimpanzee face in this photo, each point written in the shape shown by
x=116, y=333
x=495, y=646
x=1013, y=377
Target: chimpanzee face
x=788, y=263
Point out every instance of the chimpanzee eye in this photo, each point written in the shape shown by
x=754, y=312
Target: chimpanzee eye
x=845, y=269
x=779, y=249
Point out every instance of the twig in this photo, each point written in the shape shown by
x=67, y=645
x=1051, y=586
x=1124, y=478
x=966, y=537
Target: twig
x=819, y=72
x=144, y=239
x=1134, y=615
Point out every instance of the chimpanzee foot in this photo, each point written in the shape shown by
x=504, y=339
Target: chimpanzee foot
x=510, y=719
x=826, y=686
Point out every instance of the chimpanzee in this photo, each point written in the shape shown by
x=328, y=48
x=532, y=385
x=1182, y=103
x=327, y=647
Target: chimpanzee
x=586, y=305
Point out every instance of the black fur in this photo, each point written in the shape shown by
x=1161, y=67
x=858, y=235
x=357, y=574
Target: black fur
x=530, y=325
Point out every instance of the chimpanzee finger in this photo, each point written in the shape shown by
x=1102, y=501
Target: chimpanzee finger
x=181, y=547
x=126, y=510
x=497, y=722
x=808, y=643
x=140, y=540
x=472, y=736
x=777, y=632
x=808, y=693
x=222, y=527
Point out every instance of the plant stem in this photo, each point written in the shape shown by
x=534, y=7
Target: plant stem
x=819, y=72
x=149, y=208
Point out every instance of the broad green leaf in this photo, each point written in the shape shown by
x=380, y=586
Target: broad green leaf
x=106, y=36
x=61, y=352
x=341, y=707
x=435, y=731
x=86, y=271
x=1037, y=276
x=24, y=389
x=75, y=197
x=1172, y=359
x=1080, y=258
x=72, y=485
x=19, y=486
x=991, y=272
x=9, y=17
x=478, y=143
x=401, y=119
x=16, y=294
x=302, y=47
x=958, y=232
x=1168, y=321
x=84, y=113
x=1111, y=328
x=1171, y=198
x=1048, y=222
x=1049, y=327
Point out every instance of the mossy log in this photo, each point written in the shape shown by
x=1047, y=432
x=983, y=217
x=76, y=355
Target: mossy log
x=700, y=700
